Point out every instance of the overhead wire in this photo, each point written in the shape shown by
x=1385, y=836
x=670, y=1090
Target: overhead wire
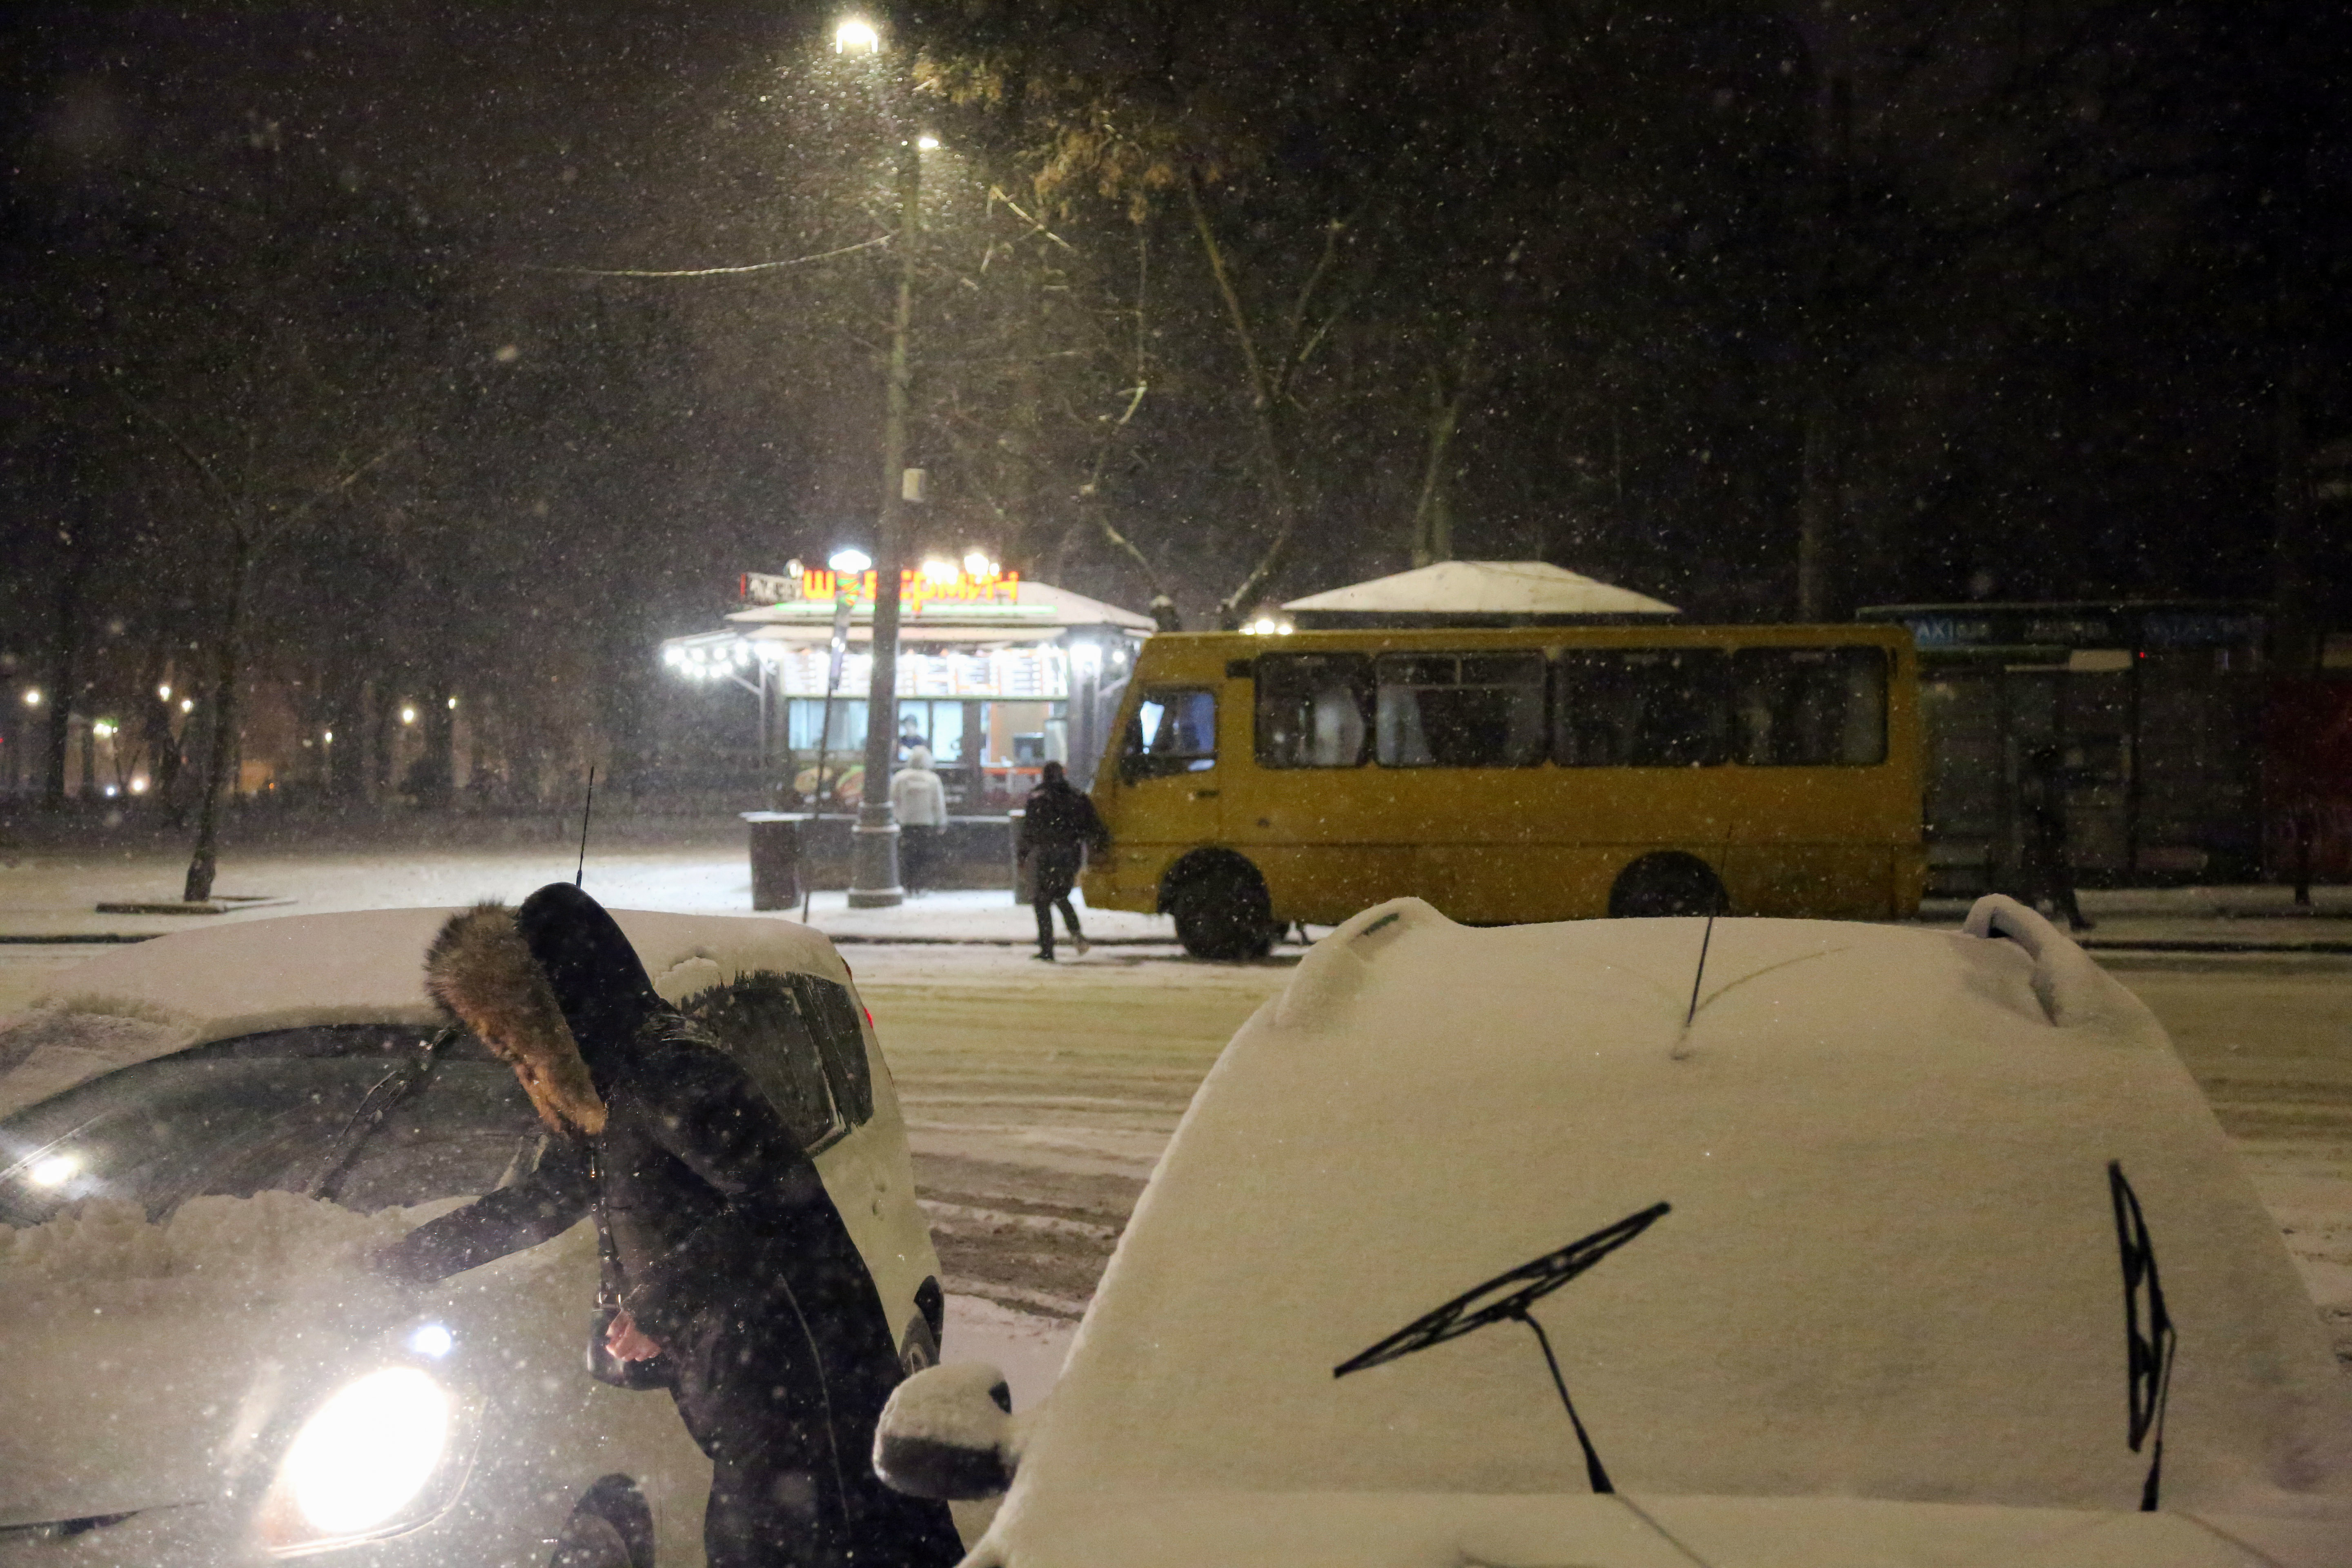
x=704, y=271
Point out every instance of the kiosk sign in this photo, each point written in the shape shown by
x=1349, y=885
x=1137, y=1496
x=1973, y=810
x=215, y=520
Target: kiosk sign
x=813, y=592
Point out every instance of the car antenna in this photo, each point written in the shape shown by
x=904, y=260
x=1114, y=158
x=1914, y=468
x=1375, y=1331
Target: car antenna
x=585, y=813
x=1706, y=941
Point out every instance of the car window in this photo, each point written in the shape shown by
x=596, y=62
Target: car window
x=1641, y=708
x=797, y=1036
x=1313, y=709
x=766, y=1024
x=270, y=1112
x=466, y=1129
x=841, y=1044
x=1460, y=710
x=1810, y=707
x=1174, y=731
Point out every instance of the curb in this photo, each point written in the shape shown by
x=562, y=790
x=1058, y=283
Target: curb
x=93, y=938
x=2194, y=944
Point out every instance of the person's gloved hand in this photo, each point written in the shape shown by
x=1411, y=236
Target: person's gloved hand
x=626, y=1342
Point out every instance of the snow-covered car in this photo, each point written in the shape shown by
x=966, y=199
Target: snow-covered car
x=1545, y=1245
x=201, y=1138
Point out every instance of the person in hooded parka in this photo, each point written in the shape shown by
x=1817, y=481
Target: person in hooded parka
x=726, y=1256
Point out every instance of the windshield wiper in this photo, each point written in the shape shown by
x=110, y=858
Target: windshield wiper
x=387, y=1093
x=1520, y=1289
x=2149, y=1350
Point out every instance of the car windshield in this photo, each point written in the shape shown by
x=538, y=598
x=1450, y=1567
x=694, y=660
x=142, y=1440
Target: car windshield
x=275, y=1112
x=1851, y=1232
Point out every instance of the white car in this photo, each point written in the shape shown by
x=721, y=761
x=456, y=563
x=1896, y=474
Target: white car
x=1539, y=1245
x=200, y=1137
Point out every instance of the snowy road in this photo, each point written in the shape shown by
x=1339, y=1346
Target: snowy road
x=1038, y=1099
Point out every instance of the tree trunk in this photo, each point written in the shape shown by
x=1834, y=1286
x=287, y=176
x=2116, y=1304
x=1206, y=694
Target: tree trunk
x=1819, y=512
x=222, y=753
x=347, y=721
x=1432, y=512
x=1273, y=461
x=65, y=640
x=437, y=770
x=2295, y=629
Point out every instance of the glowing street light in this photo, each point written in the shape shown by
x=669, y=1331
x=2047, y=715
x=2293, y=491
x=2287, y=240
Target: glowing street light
x=163, y=694
x=855, y=36
x=927, y=143
x=187, y=704
x=851, y=562
x=33, y=696
x=409, y=715
x=937, y=571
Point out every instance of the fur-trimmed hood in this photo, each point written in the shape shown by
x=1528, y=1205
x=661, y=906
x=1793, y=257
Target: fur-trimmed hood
x=480, y=971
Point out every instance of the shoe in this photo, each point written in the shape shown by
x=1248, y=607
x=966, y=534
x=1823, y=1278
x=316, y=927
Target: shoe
x=1043, y=957
x=1081, y=944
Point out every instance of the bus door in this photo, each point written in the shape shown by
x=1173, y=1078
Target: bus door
x=1169, y=786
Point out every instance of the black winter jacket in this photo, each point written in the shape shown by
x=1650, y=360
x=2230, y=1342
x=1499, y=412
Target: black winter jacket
x=1061, y=817
x=711, y=1203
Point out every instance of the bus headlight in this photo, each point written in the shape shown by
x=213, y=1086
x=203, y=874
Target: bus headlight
x=365, y=1464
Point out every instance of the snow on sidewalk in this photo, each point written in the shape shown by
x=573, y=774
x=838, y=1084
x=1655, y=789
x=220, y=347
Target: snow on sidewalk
x=1027, y=1348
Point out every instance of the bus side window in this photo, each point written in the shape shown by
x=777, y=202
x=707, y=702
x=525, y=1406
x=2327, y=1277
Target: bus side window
x=1460, y=710
x=1313, y=709
x=1810, y=707
x=1174, y=731
x=1641, y=708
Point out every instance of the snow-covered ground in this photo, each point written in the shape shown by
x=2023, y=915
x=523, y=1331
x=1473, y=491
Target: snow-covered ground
x=55, y=892
x=48, y=893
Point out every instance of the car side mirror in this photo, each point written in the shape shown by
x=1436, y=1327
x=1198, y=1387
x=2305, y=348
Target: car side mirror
x=945, y=1434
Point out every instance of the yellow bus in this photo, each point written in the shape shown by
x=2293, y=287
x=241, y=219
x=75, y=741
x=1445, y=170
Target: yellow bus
x=1526, y=774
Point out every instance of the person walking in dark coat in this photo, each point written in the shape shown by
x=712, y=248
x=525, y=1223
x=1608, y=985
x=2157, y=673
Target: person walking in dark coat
x=2045, y=866
x=1058, y=824
x=735, y=1281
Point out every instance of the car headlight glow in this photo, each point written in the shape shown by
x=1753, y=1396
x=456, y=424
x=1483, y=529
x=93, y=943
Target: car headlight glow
x=368, y=1451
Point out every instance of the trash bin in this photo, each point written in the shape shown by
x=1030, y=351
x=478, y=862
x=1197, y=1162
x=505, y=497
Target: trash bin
x=775, y=858
x=1024, y=871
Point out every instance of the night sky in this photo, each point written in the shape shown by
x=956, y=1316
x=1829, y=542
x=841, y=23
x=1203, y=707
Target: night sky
x=2059, y=270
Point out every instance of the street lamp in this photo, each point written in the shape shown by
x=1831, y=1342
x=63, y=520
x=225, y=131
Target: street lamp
x=873, y=843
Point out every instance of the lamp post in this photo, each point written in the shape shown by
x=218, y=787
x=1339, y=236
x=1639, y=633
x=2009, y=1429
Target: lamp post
x=873, y=843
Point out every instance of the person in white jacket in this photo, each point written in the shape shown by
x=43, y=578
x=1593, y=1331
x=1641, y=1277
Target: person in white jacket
x=920, y=802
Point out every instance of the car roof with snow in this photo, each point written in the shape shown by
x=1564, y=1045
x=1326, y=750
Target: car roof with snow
x=1894, y=1265
x=190, y=988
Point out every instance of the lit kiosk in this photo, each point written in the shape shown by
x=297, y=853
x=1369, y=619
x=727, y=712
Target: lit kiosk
x=996, y=676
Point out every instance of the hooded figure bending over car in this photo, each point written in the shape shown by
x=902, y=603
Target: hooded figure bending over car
x=731, y=1277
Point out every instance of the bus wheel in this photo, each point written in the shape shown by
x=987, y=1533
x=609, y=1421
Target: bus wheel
x=1667, y=883
x=1221, y=913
